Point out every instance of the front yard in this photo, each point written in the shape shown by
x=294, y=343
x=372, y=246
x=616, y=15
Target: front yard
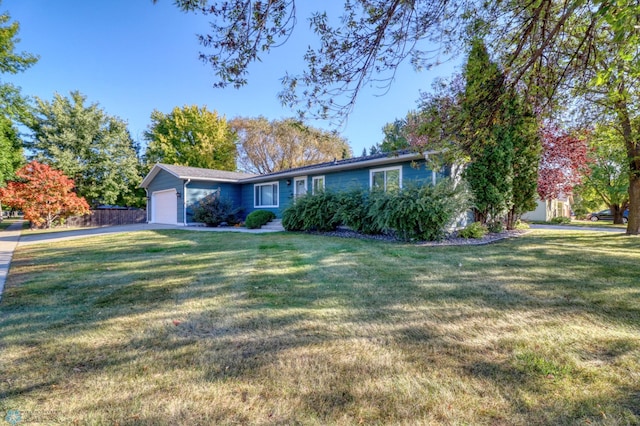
x=179, y=327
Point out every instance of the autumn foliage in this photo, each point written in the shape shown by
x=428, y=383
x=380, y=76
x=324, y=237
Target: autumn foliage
x=563, y=162
x=44, y=195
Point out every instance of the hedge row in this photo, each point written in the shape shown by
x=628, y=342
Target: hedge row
x=413, y=213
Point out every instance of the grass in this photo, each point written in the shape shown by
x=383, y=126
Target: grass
x=586, y=224
x=179, y=327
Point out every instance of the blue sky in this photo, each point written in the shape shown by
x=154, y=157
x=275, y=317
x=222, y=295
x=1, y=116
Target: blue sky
x=131, y=57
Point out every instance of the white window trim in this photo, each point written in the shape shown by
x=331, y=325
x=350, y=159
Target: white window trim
x=313, y=183
x=277, y=198
x=295, y=186
x=385, y=169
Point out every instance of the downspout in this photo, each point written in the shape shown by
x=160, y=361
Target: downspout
x=184, y=201
x=146, y=191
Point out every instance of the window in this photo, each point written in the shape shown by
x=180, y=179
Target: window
x=266, y=194
x=318, y=184
x=389, y=179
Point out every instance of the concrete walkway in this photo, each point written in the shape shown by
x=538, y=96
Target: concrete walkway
x=8, y=242
x=11, y=238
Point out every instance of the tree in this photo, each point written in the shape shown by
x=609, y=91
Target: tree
x=583, y=53
x=607, y=175
x=394, y=136
x=563, y=162
x=44, y=195
x=374, y=37
x=489, y=171
x=270, y=146
x=478, y=121
x=11, y=149
x=12, y=104
x=93, y=148
x=521, y=127
x=191, y=136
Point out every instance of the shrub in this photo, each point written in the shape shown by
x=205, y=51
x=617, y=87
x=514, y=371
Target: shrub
x=474, y=230
x=561, y=220
x=353, y=211
x=413, y=213
x=257, y=218
x=214, y=210
x=495, y=227
x=419, y=212
x=312, y=212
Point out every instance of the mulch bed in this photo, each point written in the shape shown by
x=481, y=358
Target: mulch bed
x=451, y=240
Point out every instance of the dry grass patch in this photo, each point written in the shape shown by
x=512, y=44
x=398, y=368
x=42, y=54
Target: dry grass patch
x=178, y=327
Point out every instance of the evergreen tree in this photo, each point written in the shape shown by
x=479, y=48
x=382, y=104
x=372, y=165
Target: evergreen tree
x=89, y=146
x=489, y=172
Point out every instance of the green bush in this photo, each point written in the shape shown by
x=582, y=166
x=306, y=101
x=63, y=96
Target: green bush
x=312, y=212
x=257, y=218
x=473, y=230
x=214, y=210
x=419, y=212
x=495, y=227
x=413, y=213
x=353, y=211
x=561, y=220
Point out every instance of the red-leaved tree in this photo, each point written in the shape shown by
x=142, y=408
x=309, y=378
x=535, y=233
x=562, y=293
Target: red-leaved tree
x=562, y=164
x=44, y=195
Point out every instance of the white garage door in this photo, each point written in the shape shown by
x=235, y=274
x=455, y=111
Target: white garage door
x=164, y=207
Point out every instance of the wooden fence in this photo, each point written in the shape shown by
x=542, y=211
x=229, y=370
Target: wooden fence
x=108, y=218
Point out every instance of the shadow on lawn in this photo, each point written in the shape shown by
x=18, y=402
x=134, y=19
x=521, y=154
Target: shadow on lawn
x=269, y=308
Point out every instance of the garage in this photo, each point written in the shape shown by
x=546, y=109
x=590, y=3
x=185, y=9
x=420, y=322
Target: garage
x=164, y=207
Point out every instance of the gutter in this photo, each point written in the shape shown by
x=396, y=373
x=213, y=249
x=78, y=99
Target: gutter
x=184, y=201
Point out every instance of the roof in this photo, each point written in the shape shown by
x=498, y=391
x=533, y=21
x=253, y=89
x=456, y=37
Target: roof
x=336, y=165
x=195, y=173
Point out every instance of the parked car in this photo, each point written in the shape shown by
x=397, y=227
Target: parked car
x=607, y=215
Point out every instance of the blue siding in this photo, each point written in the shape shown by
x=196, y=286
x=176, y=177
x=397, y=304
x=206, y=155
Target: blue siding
x=285, y=195
x=417, y=172
x=412, y=171
x=197, y=190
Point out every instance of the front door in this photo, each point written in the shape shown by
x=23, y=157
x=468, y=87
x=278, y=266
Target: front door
x=299, y=186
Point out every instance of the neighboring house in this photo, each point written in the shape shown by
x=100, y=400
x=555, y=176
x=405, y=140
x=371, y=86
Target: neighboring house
x=172, y=191
x=547, y=210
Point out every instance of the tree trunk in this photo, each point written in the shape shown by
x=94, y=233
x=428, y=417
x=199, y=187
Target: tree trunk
x=617, y=210
x=512, y=218
x=632, y=145
x=479, y=216
x=633, y=226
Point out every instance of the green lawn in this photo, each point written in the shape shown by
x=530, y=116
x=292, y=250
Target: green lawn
x=180, y=327
x=587, y=224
